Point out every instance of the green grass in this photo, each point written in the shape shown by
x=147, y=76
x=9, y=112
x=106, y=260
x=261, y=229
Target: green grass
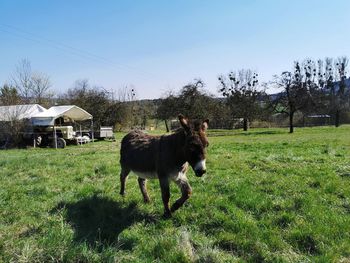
x=268, y=196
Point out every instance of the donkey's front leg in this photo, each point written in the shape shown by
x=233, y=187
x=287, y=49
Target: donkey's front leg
x=186, y=192
x=164, y=186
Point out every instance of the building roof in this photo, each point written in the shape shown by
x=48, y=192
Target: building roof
x=20, y=112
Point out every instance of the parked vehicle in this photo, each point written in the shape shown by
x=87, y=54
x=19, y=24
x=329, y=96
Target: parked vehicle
x=54, y=136
x=51, y=129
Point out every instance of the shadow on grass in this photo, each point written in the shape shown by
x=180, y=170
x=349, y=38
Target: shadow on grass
x=98, y=221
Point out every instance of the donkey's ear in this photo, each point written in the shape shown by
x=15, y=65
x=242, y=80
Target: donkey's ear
x=184, y=123
x=205, y=125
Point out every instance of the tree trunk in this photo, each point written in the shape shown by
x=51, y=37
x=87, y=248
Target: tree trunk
x=291, y=127
x=337, y=118
x=166, y=126
x=245, y=124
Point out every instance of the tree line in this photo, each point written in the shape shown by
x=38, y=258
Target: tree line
x=311, y=87
x=319, y=88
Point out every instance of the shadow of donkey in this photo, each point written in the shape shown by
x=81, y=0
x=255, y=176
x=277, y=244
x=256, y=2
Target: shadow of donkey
x=99, y=220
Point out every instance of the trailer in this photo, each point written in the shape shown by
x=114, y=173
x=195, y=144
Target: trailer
x=105, y=132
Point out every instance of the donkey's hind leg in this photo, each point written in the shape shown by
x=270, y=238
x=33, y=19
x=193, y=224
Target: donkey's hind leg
x=123, y=176
x=143, y=188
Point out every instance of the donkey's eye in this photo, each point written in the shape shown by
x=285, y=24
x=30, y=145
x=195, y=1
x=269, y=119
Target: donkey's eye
x=194, y=147
x=193, y=144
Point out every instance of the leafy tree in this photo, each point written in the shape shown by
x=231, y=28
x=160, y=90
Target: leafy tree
x=192, y=101
x=116, y=115
x=92, y=99
x=9, y=95
x=167, y=109
x=96, y=100
x=219, y=114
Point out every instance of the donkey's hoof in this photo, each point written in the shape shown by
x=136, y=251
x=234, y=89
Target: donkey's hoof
x=167, y=215
x=174, y=207
x=122, y=194
x=146, y=200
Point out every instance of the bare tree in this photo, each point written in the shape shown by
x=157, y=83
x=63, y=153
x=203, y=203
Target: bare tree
x=81, y=84
x=297, y=88
x=40, y=86
x=127, y=94
x=22, y=79
x=242, y=94
x=313, y=100
x=332, y=80
x=32, y=87
x=341, y=92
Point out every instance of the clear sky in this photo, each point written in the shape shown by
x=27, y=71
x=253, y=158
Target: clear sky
x=162, y=45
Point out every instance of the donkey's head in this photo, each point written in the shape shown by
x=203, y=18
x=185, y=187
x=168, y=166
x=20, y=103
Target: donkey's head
x=195, y=144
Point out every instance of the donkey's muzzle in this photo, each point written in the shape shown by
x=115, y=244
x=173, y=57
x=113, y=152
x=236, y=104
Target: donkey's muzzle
x=199, y=173
x=200, y=168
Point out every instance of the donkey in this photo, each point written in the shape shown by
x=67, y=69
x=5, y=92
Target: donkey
x=165, y=157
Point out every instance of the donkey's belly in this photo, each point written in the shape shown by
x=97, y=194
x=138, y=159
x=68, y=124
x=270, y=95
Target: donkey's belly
x=146, y=175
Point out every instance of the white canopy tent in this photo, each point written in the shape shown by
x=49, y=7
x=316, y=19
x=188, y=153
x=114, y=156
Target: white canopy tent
x=48, y=117
x=20, y=112
x=72, y=112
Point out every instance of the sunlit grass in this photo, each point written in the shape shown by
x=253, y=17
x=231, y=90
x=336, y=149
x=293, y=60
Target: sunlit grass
x=268, y=196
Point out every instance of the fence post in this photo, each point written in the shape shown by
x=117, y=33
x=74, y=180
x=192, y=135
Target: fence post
x=81, y=135
x=92, y=130
x=55, y=136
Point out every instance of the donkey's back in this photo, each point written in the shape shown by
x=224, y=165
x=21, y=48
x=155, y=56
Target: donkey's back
x=139, y=152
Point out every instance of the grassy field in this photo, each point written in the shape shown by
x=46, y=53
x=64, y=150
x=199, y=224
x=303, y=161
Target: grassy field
x=268, y=196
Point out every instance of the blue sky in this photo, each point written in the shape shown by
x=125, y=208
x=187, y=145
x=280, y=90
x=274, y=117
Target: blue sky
x=158, y=46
